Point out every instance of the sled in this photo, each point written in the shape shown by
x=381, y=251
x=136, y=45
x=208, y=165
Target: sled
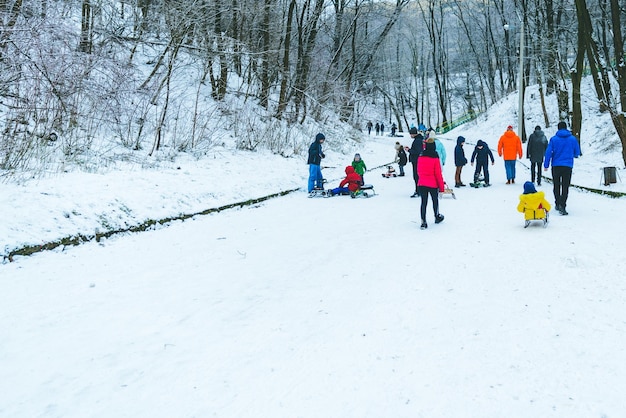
x=447, y=190
x=318, y=193
x=391, y=172
x=367, y=190
x=531, y=215
x=479, y=182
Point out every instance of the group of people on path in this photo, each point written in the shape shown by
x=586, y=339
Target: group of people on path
x=379, y=128
x=427, y=156
x=559, y=153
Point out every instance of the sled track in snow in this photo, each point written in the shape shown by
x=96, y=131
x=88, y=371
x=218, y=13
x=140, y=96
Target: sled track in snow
x=144, y=226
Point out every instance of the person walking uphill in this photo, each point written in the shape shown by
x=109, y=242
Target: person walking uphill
x=414, y=152
x=459, y=161
x=430, y=181
x=535, y=150
x=510, y=148
x=562, y=149
x=316, y=181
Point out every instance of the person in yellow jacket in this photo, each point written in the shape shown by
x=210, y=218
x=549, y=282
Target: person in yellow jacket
x=510, y=148
x=533, y=204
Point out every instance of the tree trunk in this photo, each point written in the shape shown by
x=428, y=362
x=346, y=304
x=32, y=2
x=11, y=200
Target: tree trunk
x=284, y=70
x=306, y=43
x=619, y=118
x=265, y=54
x=86, y=28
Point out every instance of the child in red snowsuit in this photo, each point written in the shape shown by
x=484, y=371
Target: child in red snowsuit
x=350, y=184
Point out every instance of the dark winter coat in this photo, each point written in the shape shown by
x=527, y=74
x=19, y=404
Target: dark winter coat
x=459, y=153
x=315, y=153
x=482, y=153
x=416, y=148
x=402, y=159
x=536, y=148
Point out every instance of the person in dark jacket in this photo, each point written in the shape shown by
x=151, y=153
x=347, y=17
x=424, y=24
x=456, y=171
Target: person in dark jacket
x=482, y=154
x=416, y=149
x=459, y=161
x=316, y=181
x=401, y=158
x=562, y=149
x=535, y=150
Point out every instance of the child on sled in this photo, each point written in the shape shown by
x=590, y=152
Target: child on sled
x=533, y=204
x=351, y=184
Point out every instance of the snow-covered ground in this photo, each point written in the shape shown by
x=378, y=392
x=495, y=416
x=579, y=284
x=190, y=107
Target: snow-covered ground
x=298, y=307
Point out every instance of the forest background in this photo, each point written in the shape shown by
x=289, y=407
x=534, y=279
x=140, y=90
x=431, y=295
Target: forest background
x=94, y=84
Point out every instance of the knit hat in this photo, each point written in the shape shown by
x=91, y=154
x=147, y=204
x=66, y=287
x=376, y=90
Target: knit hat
x=413, y=131
x=562, y=125
x=430, y=145
x=319, y=137
x=537, y=128
x=509, y=128
x=529, y=187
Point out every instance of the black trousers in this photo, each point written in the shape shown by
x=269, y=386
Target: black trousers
x=484, y=167
x=415, y=176
x=434, y=194
x=562, y=178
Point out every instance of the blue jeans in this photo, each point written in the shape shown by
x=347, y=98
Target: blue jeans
x=509, y=166
x=315, y=177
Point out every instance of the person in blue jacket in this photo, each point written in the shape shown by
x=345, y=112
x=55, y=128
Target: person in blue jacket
x=316, y=181
x=562, y=149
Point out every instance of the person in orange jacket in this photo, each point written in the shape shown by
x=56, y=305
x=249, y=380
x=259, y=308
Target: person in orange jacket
x=510, y=148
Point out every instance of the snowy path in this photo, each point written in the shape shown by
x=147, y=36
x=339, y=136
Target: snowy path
x=327, y=308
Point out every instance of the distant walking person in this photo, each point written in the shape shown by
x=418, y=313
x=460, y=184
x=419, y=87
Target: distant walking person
x=382, y=129
x=535, y=150
x=369, y=127
x=377, y=128
x=510, y=148
x=316, y=181
x=562, y=149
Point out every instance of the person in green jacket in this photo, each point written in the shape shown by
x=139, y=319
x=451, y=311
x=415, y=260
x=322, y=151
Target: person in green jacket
x=359, y=166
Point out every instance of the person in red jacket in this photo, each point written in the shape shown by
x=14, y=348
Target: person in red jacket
x=510, y=149
x=351, y=184
x=430, y=181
